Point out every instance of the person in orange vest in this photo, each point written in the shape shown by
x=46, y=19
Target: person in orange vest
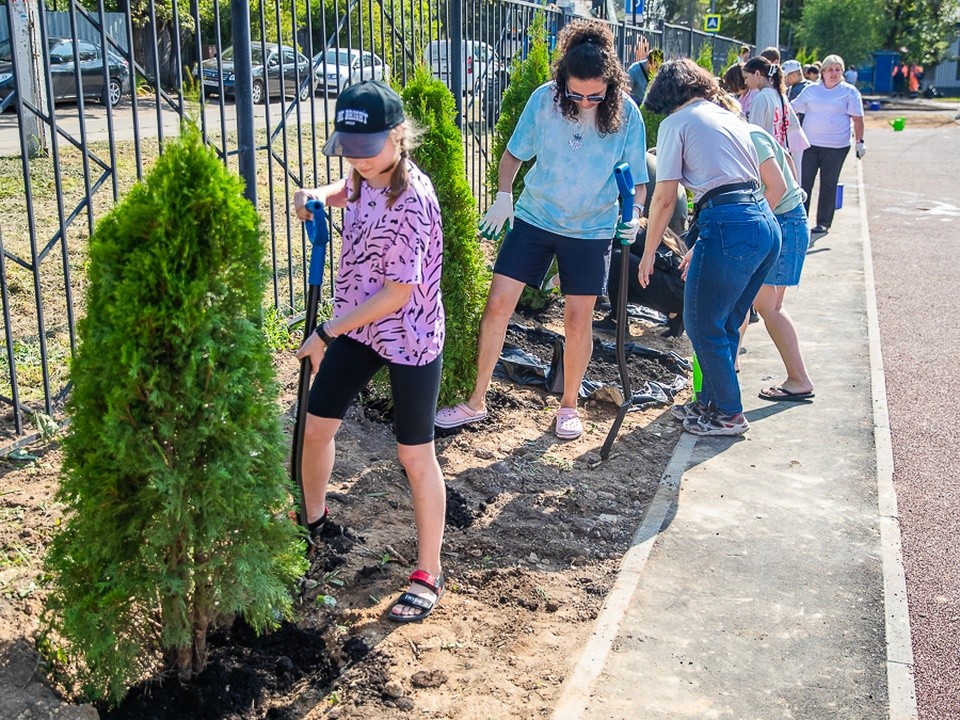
x=914, y=76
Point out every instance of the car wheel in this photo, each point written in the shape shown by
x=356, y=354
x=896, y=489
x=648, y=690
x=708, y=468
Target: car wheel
x=305, y=91
x=113, y=92
x=259, y=92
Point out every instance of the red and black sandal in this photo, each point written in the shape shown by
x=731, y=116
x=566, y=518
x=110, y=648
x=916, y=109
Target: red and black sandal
x=409, y=599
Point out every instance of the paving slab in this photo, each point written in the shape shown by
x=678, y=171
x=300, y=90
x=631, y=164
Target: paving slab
x=755, y=587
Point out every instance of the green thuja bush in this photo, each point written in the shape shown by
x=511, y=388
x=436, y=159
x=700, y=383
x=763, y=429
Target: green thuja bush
x=652, y=120
x=174, y=477
x=526, y=75
x=705, y=58
x=465, y=279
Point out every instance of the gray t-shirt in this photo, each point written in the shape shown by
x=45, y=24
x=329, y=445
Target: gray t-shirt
x=705, y=146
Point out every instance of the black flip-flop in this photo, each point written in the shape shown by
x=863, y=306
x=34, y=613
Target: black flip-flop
x=779, y=394
x=408, y=599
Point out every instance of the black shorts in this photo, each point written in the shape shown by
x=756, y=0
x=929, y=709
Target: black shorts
x=347, y=368
x=527, y=251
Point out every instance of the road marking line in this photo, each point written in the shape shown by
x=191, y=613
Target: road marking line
x=901, y=690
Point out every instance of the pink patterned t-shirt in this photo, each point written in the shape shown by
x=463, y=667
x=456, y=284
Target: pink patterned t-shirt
x=403, y=243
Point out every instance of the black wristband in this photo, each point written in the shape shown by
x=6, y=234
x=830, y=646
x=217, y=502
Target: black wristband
x=323, y=334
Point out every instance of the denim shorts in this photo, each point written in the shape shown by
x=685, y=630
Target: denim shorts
x=795, y=235
x=527, y=252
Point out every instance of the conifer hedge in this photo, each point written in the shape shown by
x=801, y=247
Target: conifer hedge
x=465, y=279
x=526, y=75
x=174, y=474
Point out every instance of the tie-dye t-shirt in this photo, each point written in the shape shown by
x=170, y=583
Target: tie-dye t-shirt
x=403, y=243
x=571, y=190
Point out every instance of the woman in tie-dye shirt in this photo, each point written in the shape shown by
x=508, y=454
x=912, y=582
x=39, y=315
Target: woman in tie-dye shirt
x=387, y=313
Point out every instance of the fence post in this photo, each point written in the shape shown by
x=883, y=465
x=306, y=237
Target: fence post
x=25, y=46
x=457, y=58
x=243, y=75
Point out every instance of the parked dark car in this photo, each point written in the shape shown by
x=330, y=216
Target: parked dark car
x=278, y=62
x=60, y=59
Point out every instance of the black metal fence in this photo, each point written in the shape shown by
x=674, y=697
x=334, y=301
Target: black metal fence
x=131, y=79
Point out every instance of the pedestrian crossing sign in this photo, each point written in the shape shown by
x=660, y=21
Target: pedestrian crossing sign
x=711, y=23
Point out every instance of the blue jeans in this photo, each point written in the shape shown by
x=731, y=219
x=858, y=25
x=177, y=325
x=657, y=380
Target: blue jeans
x=736, y=247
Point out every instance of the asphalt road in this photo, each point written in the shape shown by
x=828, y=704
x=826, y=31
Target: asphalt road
x=913, y=200
x=95, y=123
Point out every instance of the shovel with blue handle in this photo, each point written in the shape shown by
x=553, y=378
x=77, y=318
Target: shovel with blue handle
x=627, y=192
x=319, y=237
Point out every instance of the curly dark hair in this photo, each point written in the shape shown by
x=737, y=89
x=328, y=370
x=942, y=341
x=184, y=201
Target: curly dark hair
x=586, y=52
x=677, y=82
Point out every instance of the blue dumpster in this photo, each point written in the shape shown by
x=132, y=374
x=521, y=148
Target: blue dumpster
x=883, y=62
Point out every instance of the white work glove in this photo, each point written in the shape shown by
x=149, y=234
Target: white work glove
x=861, y=150
x=498, y=216
x=627, y=231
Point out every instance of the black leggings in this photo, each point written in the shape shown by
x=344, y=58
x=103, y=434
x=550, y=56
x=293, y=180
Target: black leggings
x=829, y=162
x=348, y=367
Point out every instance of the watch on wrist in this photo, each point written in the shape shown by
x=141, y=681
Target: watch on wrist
x=323, y=334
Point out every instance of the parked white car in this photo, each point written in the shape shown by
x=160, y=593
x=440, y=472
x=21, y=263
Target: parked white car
x=479, y=63
x=336, y=69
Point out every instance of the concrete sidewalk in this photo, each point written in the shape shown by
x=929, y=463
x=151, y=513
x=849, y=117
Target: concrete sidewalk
x=763, y=582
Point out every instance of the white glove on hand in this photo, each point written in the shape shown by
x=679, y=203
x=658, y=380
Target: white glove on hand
x=861, y=150
x=627, y=231
x=498, y=216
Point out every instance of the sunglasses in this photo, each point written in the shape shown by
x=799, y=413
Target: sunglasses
x=577, y=97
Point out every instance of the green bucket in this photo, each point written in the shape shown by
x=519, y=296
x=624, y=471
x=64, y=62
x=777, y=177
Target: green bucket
x=697, y=377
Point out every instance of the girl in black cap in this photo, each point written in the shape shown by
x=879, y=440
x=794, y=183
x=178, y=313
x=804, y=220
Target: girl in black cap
x=387, y=313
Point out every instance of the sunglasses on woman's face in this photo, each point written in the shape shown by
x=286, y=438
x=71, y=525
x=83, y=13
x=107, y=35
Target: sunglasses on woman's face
x=577, y=97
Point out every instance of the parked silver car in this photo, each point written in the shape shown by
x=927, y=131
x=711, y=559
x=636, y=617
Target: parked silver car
x=279, y=62
x=338, y=68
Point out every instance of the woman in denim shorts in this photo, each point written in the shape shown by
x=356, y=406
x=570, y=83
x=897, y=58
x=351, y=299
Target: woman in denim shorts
x=709, y=149
x=784, y=273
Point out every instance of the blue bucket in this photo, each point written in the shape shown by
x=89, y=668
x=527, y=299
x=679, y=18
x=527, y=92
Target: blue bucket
x=875, y=105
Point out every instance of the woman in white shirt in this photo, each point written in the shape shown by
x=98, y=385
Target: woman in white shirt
x=830, y=108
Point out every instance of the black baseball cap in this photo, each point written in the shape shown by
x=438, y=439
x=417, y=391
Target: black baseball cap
x=366, y=112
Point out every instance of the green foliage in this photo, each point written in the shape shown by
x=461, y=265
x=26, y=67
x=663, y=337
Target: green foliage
x=924, y=27
x=808, y=57
x=465, y=280
x=174, y=475
x=732, y=56
x=852, y=30
x=705, y=58
x=652, y=120
x=526, y=75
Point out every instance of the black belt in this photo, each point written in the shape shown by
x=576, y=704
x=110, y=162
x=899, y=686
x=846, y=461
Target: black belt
x=733, y=193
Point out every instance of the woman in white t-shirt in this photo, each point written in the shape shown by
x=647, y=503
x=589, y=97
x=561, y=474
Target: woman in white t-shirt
x=830, y=108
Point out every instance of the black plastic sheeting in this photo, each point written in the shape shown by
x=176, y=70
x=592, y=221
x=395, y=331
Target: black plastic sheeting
x=522, y=368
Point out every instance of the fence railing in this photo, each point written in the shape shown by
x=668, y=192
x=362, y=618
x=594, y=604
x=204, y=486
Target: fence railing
x=171, y=62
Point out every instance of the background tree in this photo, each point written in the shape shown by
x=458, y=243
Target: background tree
x=924, y=27
x=465, y=280
x=851, y=29
x=174, y=476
